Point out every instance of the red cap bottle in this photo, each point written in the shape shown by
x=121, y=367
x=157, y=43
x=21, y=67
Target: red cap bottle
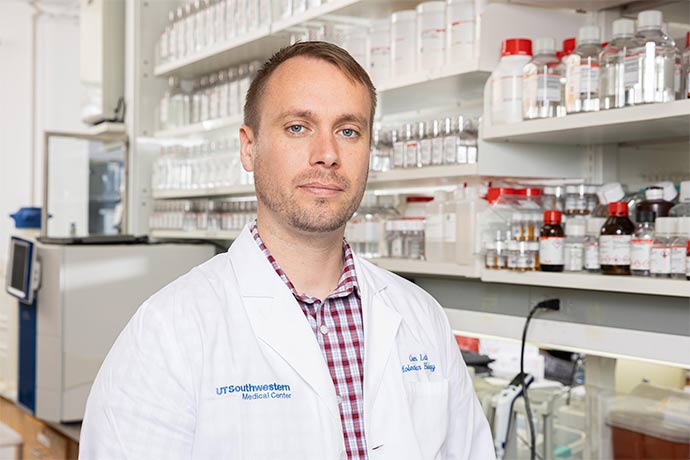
x=568, y=46
x=687, y=40
x=618, y=209
x=516, y=47
x=553, y=217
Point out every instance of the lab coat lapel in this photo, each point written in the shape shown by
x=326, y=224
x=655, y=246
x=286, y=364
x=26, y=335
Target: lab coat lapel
x=277, y=319
x=381, y=323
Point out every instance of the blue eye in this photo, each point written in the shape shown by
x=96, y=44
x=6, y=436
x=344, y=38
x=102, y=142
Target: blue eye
x=347, y=132
x=296, y=129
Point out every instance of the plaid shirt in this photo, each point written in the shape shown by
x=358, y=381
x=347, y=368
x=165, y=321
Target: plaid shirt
x=337, y=325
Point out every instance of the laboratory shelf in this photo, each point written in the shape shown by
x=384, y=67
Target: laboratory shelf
x=235, y=190
x=592, y=282
x=422, y=267
x=648, y=122
x=428, y=176
x=201, y=128
x=196, y=234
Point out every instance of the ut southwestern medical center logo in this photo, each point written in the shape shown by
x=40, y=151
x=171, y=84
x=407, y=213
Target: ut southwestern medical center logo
x=251, y=392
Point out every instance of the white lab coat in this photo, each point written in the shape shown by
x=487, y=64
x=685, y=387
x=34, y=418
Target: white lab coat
x=175, y=383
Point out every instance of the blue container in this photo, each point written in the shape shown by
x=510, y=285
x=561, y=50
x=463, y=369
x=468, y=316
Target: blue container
x=27, y=218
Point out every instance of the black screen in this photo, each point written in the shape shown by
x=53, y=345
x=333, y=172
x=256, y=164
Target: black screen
x=20, y=262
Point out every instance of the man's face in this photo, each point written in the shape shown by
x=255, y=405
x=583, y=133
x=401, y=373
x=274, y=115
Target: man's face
x=310, y=157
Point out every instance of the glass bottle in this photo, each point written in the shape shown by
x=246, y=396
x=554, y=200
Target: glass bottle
x=398, y=150
x=176, y=106
x=568, y=48
x=213, y=97
x=210, y=12
x=682, y=209
x=641, y=244
x=465, y=141
x=533, y=262
x=608, y=193
x=181, y=38
x=614, y=240
x=685, y=68
x=677, y=245
x=593, y=228
x=171, y=52
x=233, y=92
x=574, y=246
x=576, y=200
x=425, y=144
x=223, y=95
x=619, y=67
x=200, y=25
x=657, y=60
x=411, y=147
x=512, y=255
x=582, y=72
x=553, y=198
x=203, y=99
x=436, y=143
x=660, y=265
x=433, y=228
x=654, y=202
x=243, y=79
x=551, y=250
x=450, y=142
x=541, y=92
x=190, y=29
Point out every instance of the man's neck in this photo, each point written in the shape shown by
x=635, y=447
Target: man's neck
x=312, y=262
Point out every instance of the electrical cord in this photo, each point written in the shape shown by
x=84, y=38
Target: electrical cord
x=553, y=305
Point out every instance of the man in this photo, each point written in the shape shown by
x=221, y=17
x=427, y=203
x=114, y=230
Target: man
x=289, y=346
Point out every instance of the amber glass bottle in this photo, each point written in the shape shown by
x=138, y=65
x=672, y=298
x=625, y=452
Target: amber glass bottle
x=551, y=251
x=614, y=240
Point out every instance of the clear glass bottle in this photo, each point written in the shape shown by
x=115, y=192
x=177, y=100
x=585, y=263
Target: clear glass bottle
x=450, y=142
x=553, y=198
x=512, y=254
x=181, y=35
x=200, y=25
x=398, y=149
x=425, y=144
x=244, y=79
x=190, y=29
x=467, y=142
x=533, y=261
x=682, y=209
x=614, y=240
x=593, y=227
x=414, y=240
x=223, y=94
x=619, y=77
x=211, y=23
x=174, y=109
x=412, y=146
x=203, y=99
x=678, y=244
x=233, y=92
x=660, y=265
x=657, y=60
x=568, y=48
x=213, y=97
x=436, y=143
x=641, y=244
x=576, y=200
x=591, y=197
x=434, y=227
x=574, y=246
x=490, y=256
x=582, y=72
x=541, y=91
x=551, y=250
x=171, y=52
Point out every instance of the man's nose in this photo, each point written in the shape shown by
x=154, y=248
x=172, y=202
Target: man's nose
x=324, y=150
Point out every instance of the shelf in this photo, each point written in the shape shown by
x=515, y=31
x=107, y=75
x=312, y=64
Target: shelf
x=201, y=128
x=196, y=235
x=421, y=267
x=236, y=190
x=436, y=88
x=592, y=282
x=427, y=176
x=631, y=124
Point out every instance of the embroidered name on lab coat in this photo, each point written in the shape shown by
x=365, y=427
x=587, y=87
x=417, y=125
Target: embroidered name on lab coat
x=251, y=392
x=418, y=362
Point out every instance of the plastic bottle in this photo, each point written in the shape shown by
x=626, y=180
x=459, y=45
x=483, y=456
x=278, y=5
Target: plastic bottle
x=593, y=228
x=380, y=51
x=551, y=250
x=574, y=246
x=505, y=84
x=541, y=91
x=468, y=206
x=670, y=192
x=682, y=209
x=460, y=30
x=582, y=72
x=657, y=57
x=614, y=240
x=641, y=244
x=654, y=202
x=450, y=141
x=608, y=193
x=568, y=48
x=660, y=265
x=619, y=71
x=403, y=42
x=398, y=160
x=450, y=224
x=436, y=143
x=425, y=144
x=431, y=34
x=433, y=228
x=411, y=146
x=677, y=245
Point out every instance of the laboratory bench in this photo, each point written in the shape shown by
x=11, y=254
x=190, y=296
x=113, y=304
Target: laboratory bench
x=40, y=439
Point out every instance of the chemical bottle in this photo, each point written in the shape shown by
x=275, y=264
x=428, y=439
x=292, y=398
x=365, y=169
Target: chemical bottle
x=433, y=228
x=657, y=60
x=411, y=147
x=687, y=261
x=670, y=192
x=436, y=143
x=551, y=250
x=398, y=160
x=660, y=266
x=582, y=72
x=468, y=206
x=614, y=240
x=450, y=224
x=425, y=144
x=568, y=48
x=608, y=193
x=431, y=34
x=682, y=209
x=574, y=245
x=654, y=202
x=403, y=42
x=678, y=244
x=541, y=91
x=505, y=84
x=619, y=67
x=593, y=228
x=685, y=63
x=460, y=30
x=641, y=244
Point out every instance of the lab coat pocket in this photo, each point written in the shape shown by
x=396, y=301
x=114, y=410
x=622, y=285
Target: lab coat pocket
x=428, y=402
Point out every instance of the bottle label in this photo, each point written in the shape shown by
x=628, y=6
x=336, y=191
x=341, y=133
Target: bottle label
x=449, y=227
x=574, y=257
x=433, y=227
x=542, y=87
x=437, y=151
x=411, y=154
x=551, y=250
x=592, y=256
x=631, y=69
x=425, y=152
x=640, y=254
x=660, y=260
x=450, y=151
x=460, y=23
x=399, y=155
x=677, y=260
x=614, y=249
x=432, y=40
x=523, y=260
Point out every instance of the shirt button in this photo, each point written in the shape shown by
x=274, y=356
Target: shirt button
x=323, y=329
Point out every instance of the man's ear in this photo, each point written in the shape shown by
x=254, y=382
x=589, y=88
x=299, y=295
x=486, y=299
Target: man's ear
x=247, y=147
